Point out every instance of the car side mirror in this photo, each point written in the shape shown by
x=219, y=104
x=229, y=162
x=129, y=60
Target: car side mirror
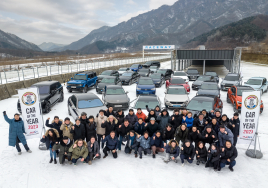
x=71, y=78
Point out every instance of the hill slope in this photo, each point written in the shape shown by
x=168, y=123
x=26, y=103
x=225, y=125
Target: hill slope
x=50, y=46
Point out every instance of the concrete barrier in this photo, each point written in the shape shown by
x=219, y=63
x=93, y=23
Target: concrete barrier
x=47, y=78
x=12, y=87
x=29, y=83
x=4, y=92
x=57, y=77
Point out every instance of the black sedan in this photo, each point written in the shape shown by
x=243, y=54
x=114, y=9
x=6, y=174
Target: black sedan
x=116, y=97
x=152, y=101
x=108, y=80
x=209, y=88
x=166, y=72
x=214, y=74
x=129, y=78
x=107, y=73
x=144, y=72
x=158, y=79
x=197, y=84
x=193, y=74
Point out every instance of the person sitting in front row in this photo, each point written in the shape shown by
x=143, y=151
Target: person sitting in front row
x=111, y=144
x=132, y=143
x=228, y=155
x=172, y=151
x=157, y=143
x=93, y=150
x=144, y=144
x=63, y=148
x=187, y=152
x=79, y=150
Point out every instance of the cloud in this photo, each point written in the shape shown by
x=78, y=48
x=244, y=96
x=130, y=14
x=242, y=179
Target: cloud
x=131, y=2
x=154, y=4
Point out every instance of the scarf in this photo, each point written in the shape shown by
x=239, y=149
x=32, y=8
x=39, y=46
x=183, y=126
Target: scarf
x=132, y=138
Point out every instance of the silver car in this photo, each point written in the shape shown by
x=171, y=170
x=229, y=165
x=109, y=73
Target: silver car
x=176, y=97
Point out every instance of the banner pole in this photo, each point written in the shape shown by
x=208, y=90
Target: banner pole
x=41, y=111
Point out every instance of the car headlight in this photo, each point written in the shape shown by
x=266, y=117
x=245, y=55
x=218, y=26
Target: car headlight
x=153, y=89
x=157, y=82
x=80, y=85
x=138, y=88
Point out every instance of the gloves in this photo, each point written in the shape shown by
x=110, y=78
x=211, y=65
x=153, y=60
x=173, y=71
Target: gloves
x=5, y=113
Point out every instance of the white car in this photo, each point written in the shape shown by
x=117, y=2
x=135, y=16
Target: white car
x=180, y=74
x=176, y=97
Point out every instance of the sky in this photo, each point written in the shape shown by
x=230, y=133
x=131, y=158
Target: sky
x=66, y=21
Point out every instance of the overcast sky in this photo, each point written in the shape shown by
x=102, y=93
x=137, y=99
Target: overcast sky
x=65, y=21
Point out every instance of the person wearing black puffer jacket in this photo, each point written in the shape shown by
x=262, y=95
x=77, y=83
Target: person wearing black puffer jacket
x=200, y=122
x=208, y=135
x=152, y=127
x=216, y=114
x=226, y=122
x=213, y=157
x=181, y=134
x=56, y=123
x=110, y=125
x=132, y=118
x=91, y=129
x=78, y=130
x=194, y=136
x=201, y=153
x=150, y=115
x=163, y=119
x=236, y=127
x=83, y=119
x=206, y=115
x=120, y=116
x=176, y=119
x=110, y=112
x=187, y=152
x=215, y=125
x=122, y=131
x=168, y=133
x=228, y=155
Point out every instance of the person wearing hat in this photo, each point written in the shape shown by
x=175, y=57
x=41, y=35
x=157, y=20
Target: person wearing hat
x=172, y=151
x=152, y=127
x=131, y=117
x=163, y=119
x=91, y=129
x=168, y=133
x=16, y=132
x=78, y=130
x=236, y=127
x=63, y=148
x=187, y=152
x=100, y=131
x=224, y=135
x=66, y=128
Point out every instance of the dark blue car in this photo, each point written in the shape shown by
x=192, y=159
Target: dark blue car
x=82, y=81
x=145, y=86
x=135, y=67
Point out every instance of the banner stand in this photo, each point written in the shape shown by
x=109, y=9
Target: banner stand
x=42, y=146
x=254, y=153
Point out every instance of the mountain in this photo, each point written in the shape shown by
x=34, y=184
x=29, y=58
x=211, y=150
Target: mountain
x=175, y=24
x=241, y=33
x=50, y=46
x=10, y=41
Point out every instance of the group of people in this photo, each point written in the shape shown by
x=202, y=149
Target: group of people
x=180, y=136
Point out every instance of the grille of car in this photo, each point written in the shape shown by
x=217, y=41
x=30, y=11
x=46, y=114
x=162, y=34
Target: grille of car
x=228, y=85
x=176, y=102
x=72, y=84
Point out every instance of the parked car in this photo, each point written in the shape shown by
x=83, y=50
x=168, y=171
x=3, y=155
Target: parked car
x=123, y=70
x=258, y=84
x=151, y=101
x=145, y=86
x=89, y=103
x=166, y=72
x=151, y=63
x=51, y=92
x=200, y=102
x=209, y=88
x=214, y=74
x=234, y=96
x=116, y=97
x=158, y=79
x=230, y=80
x=193, y=74
x=129, y=78
x=176, y=97
x=154, y=69
x=199, y=81
x=108, y=80
x=178, y=82
x=135, y=67
x=82, y=81
x=108, y=73
x=144, y=72
x=180, y=74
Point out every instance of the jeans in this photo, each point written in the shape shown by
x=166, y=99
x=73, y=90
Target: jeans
x=106, y=149
x=99, y=140
x=147, y=150
x=75, y=160
x=52, y=153
x=154, y=149
x=169, y=156
x=18, y=145
x=185, y=157
x=120, y=139
x=128, y=150
x=231, y=164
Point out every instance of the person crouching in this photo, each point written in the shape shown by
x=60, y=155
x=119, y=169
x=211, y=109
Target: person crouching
x=79, y=150
x=172, y=151
x=93, y=150
x=63, y=148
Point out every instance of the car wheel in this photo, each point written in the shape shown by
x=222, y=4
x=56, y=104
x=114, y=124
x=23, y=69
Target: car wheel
x=69, y=111
x=69, y=91
x=227, y=99
x=47, y=107
x=61, y=97
x=85, y=89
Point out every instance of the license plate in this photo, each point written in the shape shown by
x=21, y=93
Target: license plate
x=117, y=105
x=145, y=92
x=176, y=105
x=73, y=86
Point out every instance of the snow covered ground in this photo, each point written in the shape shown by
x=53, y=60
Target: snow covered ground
x=33, y=170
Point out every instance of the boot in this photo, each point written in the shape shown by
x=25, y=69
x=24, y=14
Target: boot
x=51, y=160
x=89, y=162
x=29, y=151
x=55, y=161
x=19, y=153
x=105, y=156
x=231, y=169
x=136, y=155
x=153, y=155
x=198, y=162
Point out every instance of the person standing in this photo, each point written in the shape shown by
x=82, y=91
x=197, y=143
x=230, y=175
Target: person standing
x=176, y=119
x=120, y=116
x=200, y=122
x=163, y=119
x=91, y=128
x=168, y=133
x=131, y=117
x=78, y=130
x=188, y=120
x=66, y=128
x=16, y=132
x=122, y=132
x=109, y=125
x=55, y=124
x=181, y=134
x=236, y=127
x=100, y=131
x=140, y=114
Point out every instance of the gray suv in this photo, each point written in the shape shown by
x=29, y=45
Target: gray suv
x=231, y=79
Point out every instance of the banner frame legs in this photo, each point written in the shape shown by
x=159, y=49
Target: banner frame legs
x=254, y=153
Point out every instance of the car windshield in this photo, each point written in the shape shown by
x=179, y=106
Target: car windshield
x=142, y=104
x=80, y=77
x=92, y=103
x=127, y=74
x=153, y=67
x=162, y=71
x=240, y=91
x=134, y=66
x=107, y=80
x=211, y=74
x=176, y=91
x=179, y=74
x=118, y=91
x=199, y=105
x=43, y=89
x=209, y=86
x=143, y=70
x=145, y=82
x=148, y=63
x=155, y=76
x=106, y=73
x=203, y=78
x=254, y=82
x=231, y=78
x=122, y=69
x=192, y=71
x=177, y=81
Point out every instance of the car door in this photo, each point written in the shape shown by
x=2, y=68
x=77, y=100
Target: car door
x=53, y=93
x=89, y=80
x=232, y=95
x=104, y=94
x=73, y=106
x=58, y=91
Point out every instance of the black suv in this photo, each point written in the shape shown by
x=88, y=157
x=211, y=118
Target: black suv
x=151, y=63
x=166, y=73
x=108, y=73
x=50, y=93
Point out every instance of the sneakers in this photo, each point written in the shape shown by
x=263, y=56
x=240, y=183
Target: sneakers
x=231, y=169
x=153, y=155
x=89, y=162
x=182, y=164
x=55, y=161
x=156, y=152
x=140, y=157
x=198, y=162
x=29, y=151
x=51, y=160
x=105, y=156
x=19, y=153
x=203, y=162
x=136, y=155
x=70, y=162
x=74, y=164
x=84, y=162
x=216, y=170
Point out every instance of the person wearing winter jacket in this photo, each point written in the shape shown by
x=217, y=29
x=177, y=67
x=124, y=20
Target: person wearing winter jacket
x=78, y=130
x=66, y=128
x=55, y=124
x=152, y=127
x=172, y=151
x=187, y=152
x=110, y=112
x=224, y=135
x=140, y=114
x=16, y=132
x=100, y=131
x=150, y=115
x=176, y=119
x=93, y=150
x=157, y=110
x=188, y=120
x=122, y=132
x=109, y=125
x=200, y=122
x=145, y=145
x=132, y=118
x=157, y=143
x=168, y=133
x=213, y=157
x=79, y=150
x=215, y=125
x=228, y=155
x=120, y=116
x=226, y=122
x=163, y=119
x=111, y=144
x=181, y=133
x=216, y=114
x=201, y=153
x=132, y=143
x=91, y=129
x=63, y=148
x=83, y=119
x=236, y=127
x=139, y=127
x=50, y=138
x=194, y=136
x=208, y=135
x=206, y=115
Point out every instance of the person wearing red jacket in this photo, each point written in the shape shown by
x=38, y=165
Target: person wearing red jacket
x=140, y=114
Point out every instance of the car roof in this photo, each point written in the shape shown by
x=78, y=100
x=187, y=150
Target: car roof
x=244, y=87
x=176, y=86
x=86, y=96
x=46, y=82
x=110, y=77
x=257, y=78
x=86, y=72
x=148, y=98
x=210, y=83
x=204, y=98
x=114, y=87
x=232, y=74
x=145, y=78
